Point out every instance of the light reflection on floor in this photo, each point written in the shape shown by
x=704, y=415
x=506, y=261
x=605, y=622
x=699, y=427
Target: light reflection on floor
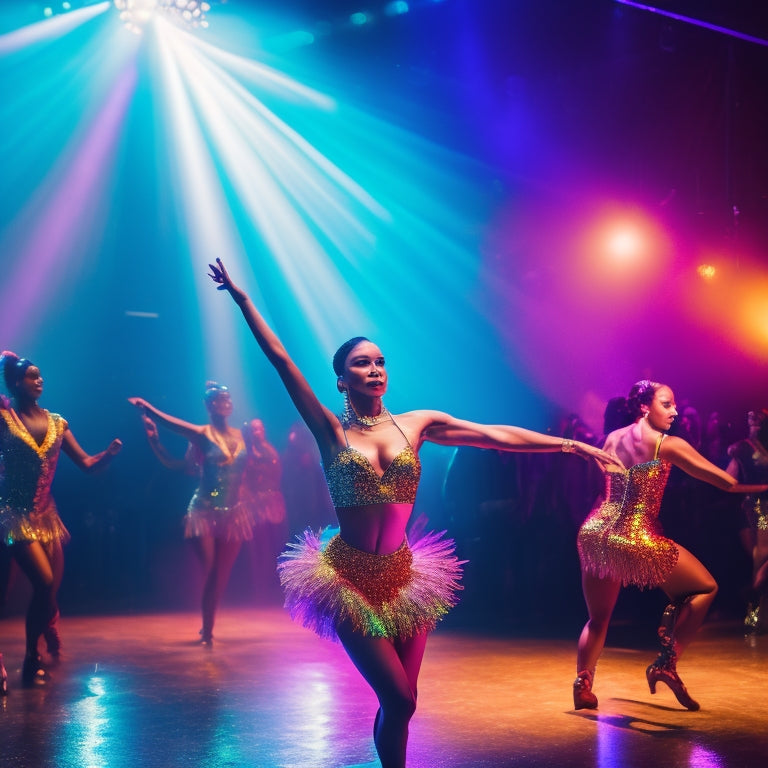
x=137, y=690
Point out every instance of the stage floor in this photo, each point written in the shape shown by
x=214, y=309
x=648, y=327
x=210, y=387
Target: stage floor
x=137, y=691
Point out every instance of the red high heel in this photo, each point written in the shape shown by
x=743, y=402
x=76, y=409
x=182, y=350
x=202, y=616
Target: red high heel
x=663, y=670
x=583, y=698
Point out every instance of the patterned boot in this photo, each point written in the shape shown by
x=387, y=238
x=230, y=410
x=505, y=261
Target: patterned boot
x=664, y=669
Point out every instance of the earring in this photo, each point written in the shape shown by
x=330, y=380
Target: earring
x=645, y=415
x=348, y=414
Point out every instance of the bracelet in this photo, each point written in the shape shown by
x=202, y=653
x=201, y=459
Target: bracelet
x=568, y=446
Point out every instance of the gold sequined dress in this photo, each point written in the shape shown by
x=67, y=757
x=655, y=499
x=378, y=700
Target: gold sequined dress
x=216, y=508
x=327, y=581
x=27, y=509
x=621, y=538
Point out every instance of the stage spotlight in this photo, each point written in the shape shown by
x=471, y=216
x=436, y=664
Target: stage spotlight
x=136, y=14
x=706, y=271
x=396, y=8
x=625, y=244
x=358, y=19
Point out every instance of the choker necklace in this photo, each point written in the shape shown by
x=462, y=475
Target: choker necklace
x=372, y=421
x=351, y=416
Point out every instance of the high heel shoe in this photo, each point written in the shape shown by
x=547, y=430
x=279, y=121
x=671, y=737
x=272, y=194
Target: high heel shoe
x=3, y=678
x=32, y=672
x=664, y=671
x=583, y=698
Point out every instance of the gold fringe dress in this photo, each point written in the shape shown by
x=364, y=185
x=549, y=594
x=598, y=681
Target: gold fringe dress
x=621, y=538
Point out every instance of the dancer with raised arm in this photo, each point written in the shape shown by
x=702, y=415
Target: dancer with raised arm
x=621, y=542
x=216, y=521
x=31, y=439
x=368, y=586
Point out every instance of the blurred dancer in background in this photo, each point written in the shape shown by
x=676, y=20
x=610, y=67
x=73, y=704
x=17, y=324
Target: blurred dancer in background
x=31, y=439
x=217, y=521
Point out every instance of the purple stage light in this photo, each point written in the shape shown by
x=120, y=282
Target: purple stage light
x=695, y=22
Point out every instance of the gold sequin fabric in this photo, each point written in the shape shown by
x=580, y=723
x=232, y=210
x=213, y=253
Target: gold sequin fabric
x=353, y=482
x=377, y=578
x=27, y=509
x=621, y=538
x=216, y=509
x=756, y=508
x=327, y=582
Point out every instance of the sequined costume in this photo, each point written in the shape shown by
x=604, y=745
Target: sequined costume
x=261, y=489
x=27, y=509
x=327, y=582
x=621, y=538
x=753, y=470
x=215, y=509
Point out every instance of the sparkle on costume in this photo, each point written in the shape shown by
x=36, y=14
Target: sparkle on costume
x=352, y=481
x=753, y=470
x=396, y=595
x=216, y=509
x=27, y=509
x=328, y=582
x=621, y=538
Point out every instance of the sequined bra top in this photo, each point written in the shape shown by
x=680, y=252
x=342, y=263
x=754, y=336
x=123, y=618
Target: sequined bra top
x=353, y=482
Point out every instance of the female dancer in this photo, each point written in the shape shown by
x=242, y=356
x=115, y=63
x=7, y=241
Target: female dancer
x=620, y=542
x=216, y=521
x=749, y=464
x=368, y=586
x=30, y=441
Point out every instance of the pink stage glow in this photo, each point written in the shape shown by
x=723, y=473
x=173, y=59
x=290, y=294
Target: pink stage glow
x=59, y=215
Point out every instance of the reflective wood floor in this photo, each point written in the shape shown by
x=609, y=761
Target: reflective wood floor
x=138, y=691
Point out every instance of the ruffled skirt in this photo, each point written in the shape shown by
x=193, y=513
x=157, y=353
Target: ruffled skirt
x=44, y=526
x=233, y=523
x=402, y=594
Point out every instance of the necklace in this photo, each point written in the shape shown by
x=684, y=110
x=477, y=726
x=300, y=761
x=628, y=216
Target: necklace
x=351, y=416
x=372, y=421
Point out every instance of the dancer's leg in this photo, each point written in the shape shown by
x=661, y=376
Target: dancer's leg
x=600, y=596
x=692, y=585
x=55, y=552
x=35, y=565
x=393, y=679
x=225, y=554
x=691, y=589
x=204, y=549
